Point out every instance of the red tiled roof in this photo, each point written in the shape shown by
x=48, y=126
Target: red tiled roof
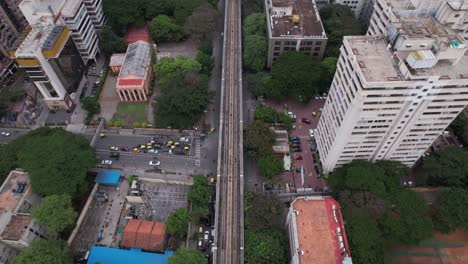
x=130, y=82
x=15, y=229
x=135, y=33
x=146, y=235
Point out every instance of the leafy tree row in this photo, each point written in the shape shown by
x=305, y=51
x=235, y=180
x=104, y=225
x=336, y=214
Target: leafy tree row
x=45, y=251
x=199, y=195
x=255, y=42
x=459, y=127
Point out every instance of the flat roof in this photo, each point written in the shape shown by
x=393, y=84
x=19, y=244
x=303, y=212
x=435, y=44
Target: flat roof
x=458, y=4
x=15, y=228
x=38, y=35
x=117, y=59
x=319, y=230
x=105, y=255
x=375, y=61
x=147, y=235
x=136, y=60
x=281, y=13
x=8, y=199
x=108, y=177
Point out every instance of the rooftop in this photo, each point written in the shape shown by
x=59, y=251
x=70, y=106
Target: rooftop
x=70, y=7
x=135, y=33
x=320, y=230
x=9, y=195
x=15, y=228
x=36, y=38
x=106, y=255
x=458, y=4
x=294, y=19
x=143, y=234
x=117, y=59
x=136, y=60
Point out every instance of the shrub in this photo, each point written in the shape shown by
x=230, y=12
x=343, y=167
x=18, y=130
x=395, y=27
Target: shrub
x=136, y=124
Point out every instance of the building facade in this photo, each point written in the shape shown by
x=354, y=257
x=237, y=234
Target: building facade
x=95, y=12
x=392, y=97
x=294, y=26
x=136, y=73
x=316, y=231
x=17, y=228
x=8, y=253
x=355, y=5
x=454, y=13
x=52, y=61
x=72, y=13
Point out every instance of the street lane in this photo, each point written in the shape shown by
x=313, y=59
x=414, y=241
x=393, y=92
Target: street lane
x=14, y=134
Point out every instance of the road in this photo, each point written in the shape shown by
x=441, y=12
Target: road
x=228, y=243
x=14, y=133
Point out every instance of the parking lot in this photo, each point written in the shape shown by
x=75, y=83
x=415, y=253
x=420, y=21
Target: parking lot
x=160, y=200
x=101, y=220
x=304, y=158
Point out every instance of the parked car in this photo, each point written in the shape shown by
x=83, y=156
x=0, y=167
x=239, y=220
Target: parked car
x=124, y=149
x=157, y=146
x=305, y=120
x=311, y=133
x=184, y=139
x=5, y=134
x=206, y=236
x=114, y=148
x=154, y=163
x=291, y=115
x=106, y=162
x=155, y=151
x=295, y=139
x=299, y=157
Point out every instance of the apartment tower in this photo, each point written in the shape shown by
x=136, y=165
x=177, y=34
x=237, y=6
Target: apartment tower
x=392, y=96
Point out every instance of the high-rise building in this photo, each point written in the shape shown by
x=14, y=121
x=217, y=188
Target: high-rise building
x=294, y=25
x=11, y=8
x=96, y=13
x=391, y=97
x=73, y=13
x=355, y=5
x=52, y=61
x=455, y=14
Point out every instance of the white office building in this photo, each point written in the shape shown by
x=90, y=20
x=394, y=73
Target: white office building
x=392, y=97
x=73, y=13
x=95, y=12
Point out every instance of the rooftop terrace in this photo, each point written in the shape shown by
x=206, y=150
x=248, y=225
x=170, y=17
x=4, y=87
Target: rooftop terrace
x=38, y=35
x=294, y=19
x=320, y=230
x=9, y=197
x=15, y=228
x=136, y=60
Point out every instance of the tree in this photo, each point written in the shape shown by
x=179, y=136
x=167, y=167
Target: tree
x=269, y=166
x=201, y=24
x=265, y=247
x=286, y=120
x=45, y=252
x=178, y=221
x=169, y=69
x=255, y=24
x=110, y=43
x=90, y=105
x=459, y=128
x=328, y=70
x=163, y=29
x=295, y=74
x=57, y=161
x=364, y=238
x=199, y=194
x=447, y=167
x=258, y=83
x=8, y=160
x=206, y=62
x=56, y=212
x=184, y=8
x=255, y=52
x=266, y=114
x=252, y=6
x=451, y=210
x=184, y=255
x=339, y=21
x=264, y=212
x=182, y=101
x=258, y=139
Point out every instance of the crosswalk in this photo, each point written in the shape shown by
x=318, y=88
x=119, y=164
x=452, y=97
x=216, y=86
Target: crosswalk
x=197, y=151
x=124, y=153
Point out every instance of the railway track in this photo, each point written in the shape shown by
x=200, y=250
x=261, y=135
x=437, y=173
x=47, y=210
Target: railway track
x=228, y=242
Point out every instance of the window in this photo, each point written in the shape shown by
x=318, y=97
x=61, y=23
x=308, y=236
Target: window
x=317, y=48
x=456, y=15
x=277, y=48
x=277, y=42
x=315, y=54
x=276, y=54
x=409, y=45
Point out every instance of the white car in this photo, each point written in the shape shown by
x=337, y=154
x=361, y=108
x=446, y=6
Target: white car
x=292, y=115
x=311, y=132
x=5, y=134
x=184, y=139
x=154, y=163
x=106, y=162
x=155, y=151
x=114, y=148
x=206, y=235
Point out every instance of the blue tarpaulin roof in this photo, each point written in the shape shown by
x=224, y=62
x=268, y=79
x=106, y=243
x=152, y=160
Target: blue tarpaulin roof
x=105, y=255
x=108, y=177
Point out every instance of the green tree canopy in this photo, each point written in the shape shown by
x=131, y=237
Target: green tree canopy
x=459, y=127
x=258, y=139
x=258, y=83
x=451, y=210
x=161, y=28
x=364, y=238
x=206, y=62
x=339, y=21
x=45, y=252
x=169, y=69
x=184, y=8
x=270, y=166
x=201, y=24
x=264, y=212
x=57, y=161
x=184, y=255
x=265, y=247
x=110, y=43
x=447, y=167
x=90, y=105
x=252, y=6
x=295, y=75
x=266, y=114
x=56, y=212
x=255, y=52
x=178, y=221
x=255, y=24
x=199, y=194
x=182, y=101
